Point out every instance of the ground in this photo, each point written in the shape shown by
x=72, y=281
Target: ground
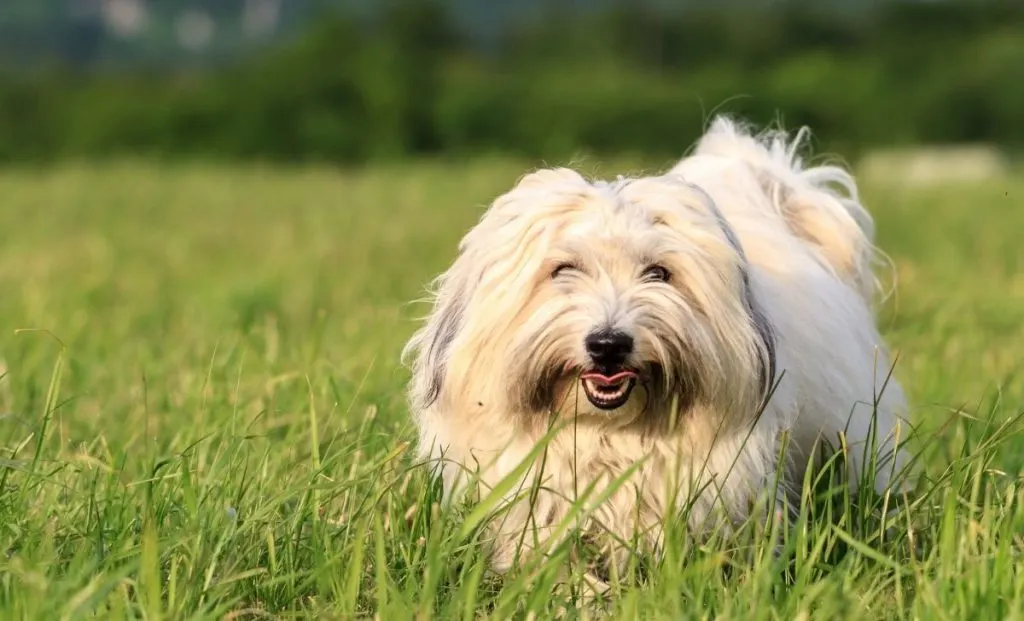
x=201, y=408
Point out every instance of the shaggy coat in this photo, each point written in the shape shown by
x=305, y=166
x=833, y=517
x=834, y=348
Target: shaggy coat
x=633, y=351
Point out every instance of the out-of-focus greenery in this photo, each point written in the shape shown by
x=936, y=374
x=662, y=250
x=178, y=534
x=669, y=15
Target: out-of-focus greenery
x=617, y=80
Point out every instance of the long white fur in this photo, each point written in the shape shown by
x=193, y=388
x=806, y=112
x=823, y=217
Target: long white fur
x=739, y=218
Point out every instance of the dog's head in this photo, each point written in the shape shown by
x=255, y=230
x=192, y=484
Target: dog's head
x=596, y=299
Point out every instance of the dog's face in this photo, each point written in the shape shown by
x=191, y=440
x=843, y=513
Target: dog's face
x=610, y=300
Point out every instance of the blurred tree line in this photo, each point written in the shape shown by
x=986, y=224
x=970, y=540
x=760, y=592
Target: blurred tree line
x=627, y=78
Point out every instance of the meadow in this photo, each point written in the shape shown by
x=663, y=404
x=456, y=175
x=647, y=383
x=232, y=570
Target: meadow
x=202, y=411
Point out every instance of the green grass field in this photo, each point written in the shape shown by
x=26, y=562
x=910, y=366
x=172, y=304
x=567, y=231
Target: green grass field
x=201, y=409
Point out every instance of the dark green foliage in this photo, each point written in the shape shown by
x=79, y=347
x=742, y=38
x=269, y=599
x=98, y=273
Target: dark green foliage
x=626, y=79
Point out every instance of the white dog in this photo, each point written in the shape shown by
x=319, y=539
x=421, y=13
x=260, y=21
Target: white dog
x=678, y=325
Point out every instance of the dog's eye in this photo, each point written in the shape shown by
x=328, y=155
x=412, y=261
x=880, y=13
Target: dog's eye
x=656, y=273
x=562, y=268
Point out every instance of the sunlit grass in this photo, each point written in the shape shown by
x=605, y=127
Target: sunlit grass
x=201, y=410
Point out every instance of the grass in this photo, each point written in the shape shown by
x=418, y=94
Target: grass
x=201, y=410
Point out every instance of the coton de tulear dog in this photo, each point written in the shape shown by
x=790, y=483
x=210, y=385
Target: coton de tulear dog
x=650, y=341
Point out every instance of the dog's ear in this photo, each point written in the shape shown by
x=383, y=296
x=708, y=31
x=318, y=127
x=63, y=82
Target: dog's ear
x=432, y=344
x=759, y=320
x=766, y=334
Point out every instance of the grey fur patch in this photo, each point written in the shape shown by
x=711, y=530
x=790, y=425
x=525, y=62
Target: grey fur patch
x=760, y=321
x=449, y=321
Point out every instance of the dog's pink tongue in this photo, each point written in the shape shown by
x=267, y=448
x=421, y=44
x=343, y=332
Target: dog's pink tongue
x=606, y=380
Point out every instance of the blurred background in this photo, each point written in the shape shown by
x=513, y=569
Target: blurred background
x=352, y=81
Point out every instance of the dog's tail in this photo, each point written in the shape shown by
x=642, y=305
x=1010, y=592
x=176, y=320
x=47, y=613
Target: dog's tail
x=819, y=204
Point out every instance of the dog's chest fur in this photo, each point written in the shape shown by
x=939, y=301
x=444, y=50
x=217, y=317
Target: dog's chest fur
x=615, y=484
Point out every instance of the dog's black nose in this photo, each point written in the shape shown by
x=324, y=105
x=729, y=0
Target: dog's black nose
x=609, y=349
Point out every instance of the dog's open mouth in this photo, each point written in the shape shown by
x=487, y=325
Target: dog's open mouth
x=607, y=392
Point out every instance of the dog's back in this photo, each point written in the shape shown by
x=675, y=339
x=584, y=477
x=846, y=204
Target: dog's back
x=819, y=205
x=810, y=245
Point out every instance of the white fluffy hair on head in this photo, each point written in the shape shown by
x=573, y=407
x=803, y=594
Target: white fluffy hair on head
x=652, y=339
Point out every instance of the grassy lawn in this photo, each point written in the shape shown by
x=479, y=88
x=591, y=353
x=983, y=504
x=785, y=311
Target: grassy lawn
x=201, y=408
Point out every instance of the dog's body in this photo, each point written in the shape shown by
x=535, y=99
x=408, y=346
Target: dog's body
x=678, y=324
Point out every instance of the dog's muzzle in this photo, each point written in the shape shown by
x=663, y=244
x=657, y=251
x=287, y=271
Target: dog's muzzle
x=608, y=383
